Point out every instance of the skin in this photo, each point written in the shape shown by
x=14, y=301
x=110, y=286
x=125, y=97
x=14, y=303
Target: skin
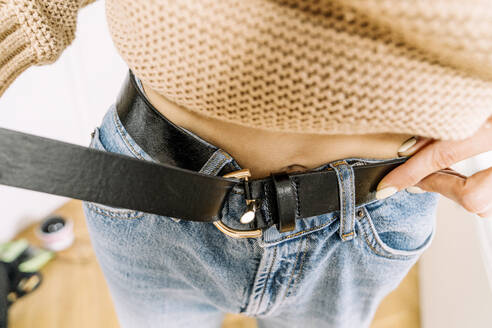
x=264, y=151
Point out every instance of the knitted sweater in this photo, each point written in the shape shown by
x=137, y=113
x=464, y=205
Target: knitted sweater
x=422, y=67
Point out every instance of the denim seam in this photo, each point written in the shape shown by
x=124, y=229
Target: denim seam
x=122, y=135
x=392, y=257
x=352, y=223
x=348, y=234
x=291, y=283
x=372, y=247
x=382, y=252
x=266, y=280
x=225, y=154
x=342, y=217
x=307, y=230
x=352, y=197
x=113, y=214
x=302, y=265
x=293, y=271
x=217, y=166
x=342, y=224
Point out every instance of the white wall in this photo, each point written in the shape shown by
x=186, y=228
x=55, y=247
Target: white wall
x=454, y=287
x=63, y=101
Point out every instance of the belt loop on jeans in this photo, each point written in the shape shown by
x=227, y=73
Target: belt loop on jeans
x=346, y=195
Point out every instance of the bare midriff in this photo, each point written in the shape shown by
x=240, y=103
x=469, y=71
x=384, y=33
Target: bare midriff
x=263, y=151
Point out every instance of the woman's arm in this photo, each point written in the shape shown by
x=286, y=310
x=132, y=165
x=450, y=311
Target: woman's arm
x=34, y=32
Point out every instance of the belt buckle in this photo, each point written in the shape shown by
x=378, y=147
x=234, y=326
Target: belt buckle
x=247, y=216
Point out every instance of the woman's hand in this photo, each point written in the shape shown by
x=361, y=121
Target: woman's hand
x=428, y=169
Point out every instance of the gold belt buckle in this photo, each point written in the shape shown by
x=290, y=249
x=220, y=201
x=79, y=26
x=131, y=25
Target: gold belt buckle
x=247, y=216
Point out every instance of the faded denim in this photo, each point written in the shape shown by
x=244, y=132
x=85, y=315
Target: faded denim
x=332, y=271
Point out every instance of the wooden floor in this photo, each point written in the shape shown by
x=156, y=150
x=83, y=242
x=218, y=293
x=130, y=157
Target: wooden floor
x=74, y=294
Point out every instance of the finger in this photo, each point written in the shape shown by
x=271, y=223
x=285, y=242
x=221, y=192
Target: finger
x=487, y=214
x=473, y=192
x=420, y=143
x=434, y=156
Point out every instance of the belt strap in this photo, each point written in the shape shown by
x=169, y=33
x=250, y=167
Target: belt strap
x=170, y=187
x=60, y=168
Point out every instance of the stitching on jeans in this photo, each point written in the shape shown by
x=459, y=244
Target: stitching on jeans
x=348, y=234
x=385, y=254
x=266, y=279
x=293, y=270
x=338, y=163
x=115, y=215
x=368, y=243
x=302, y=265
x=218, y=166
x=352, y=197
x=225, y=154
x=125, y=140
x=383, y=246
x=308, y=230
x=397, y=257
x=342, y=194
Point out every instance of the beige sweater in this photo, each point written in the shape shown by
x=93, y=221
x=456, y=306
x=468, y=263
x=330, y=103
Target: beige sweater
x=313, y=66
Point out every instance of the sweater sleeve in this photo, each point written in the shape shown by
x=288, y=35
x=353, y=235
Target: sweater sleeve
x=34, y=32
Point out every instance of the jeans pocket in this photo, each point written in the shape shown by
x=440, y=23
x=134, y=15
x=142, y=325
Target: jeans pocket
x=107, y=211
x=399, y=227
x=111, y=212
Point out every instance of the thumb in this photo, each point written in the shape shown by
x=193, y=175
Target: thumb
x=473, y=192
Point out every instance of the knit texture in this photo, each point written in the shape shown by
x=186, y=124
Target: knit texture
x=34, y=32
x=422, y=67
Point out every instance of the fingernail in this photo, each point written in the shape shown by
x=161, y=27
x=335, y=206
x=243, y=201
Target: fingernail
x=407, y=145
x=385, y=192
x=415, y=190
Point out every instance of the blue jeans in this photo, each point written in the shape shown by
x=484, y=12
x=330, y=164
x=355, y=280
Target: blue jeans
x=330, y=271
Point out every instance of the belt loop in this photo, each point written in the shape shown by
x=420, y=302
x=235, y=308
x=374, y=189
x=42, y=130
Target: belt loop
x=286, y=201
x=216, y=162
x=346, y=195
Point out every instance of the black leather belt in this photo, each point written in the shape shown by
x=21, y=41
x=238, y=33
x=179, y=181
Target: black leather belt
x=314, y=191
x=65, y=169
